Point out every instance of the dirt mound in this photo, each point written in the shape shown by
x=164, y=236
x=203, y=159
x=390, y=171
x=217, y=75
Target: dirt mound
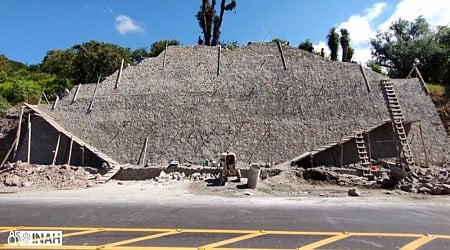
x=21, y=176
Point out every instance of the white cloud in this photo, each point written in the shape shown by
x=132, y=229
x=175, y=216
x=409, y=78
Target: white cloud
x=362, y=27
x=125, y=24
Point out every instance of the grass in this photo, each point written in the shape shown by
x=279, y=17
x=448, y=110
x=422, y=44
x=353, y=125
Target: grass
x=436, y=90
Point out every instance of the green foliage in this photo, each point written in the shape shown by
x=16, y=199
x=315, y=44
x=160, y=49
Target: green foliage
x=159, y=46
x=230, y=45
x=375, y=67
x=333, y=43
x=210, y=22
x=139, y=54
x=306, y=45
x=436, y=89
x=281, y=41
x=406, y=42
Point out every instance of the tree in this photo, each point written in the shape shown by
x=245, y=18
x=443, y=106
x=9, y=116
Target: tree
x=157, y=47
x=347, y=51
x=210, y=22
x=97, y=58
x=375, y=67
x=333, y=43
x=306, y=45
x=408, y=41
x=60, y=63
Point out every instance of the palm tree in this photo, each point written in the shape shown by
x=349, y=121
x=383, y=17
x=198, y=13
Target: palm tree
x=333, y=43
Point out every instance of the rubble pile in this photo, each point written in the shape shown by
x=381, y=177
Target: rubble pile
x=427, y=181
x=44, y=177
x=181, y=176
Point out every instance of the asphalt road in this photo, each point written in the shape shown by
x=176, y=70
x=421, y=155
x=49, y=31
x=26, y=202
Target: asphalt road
x=212, y=212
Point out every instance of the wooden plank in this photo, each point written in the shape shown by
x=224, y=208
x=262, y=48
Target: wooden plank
x=119, y=75
x=29, y=140
x=218, y=60
x=45, y=97
x=55, y=155
x=91, y=104
x=55, y=102
x=164, y=57
x=76, y=93
x=70, y=150
x=282, y=55
x=15, y=142
x=143, y=153
x=365, y=78
x=19, y=130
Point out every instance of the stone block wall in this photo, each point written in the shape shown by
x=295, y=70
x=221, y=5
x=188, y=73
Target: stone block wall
x=254, y=107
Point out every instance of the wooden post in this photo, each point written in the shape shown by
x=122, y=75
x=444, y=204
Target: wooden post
x=82, y=156
x=91, y=104
x=55, y=154
x=218, y=60
x=282, y=55
x=369, y=147
x=423, y=145
x=29, y=140
x=342, y=155
x=164, y=57
x=55, y=103
x=365, y=77
x=19, y=128
x=143, y=153
x=9, y=152
x=119, y=75
x=76, y=93
x=70, y=150
x=45, y=97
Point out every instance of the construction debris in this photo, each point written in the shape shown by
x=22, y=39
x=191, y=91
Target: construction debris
x=39, y=177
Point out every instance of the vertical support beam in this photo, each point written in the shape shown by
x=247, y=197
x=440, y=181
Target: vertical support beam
x=19, y=128
x=424, y=84
x=55, y=102
x=82, y=155
x=143, y=152
x=282, y=55
x=55, y=154
x=218, y=60
x=119, y=75
x=70, y=150
x=29, y=140
x=76, y=93
x=164, y=57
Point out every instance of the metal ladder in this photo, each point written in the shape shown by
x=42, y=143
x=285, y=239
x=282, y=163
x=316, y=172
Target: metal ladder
x=397, y=119
x=362, y=149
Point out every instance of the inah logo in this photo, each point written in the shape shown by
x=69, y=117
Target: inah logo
x=35, y=238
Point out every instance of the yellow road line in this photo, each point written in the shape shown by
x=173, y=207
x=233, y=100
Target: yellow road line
x=83, y=232
x=325, y=241
x=8, y=229
x=147, y=237
x=232, y=240
x=418, y=242
x=68, y=247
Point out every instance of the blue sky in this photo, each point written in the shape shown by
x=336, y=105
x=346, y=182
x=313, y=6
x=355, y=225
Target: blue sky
x=31, y=28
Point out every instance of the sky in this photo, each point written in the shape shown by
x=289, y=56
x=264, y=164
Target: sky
x=31, y=28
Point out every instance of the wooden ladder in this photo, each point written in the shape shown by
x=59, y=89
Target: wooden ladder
x=362, y=149
x=397, y=118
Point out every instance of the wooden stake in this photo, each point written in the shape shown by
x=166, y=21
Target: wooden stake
x=119, y=75
x=164, y=57
x=423, y=145
x=45, y=97
x=56, y=102
x=29, y=140
x=218, y=60
x=76, y=93
x=82, y=156
x=143, y=152
x=19, y=128
x=91, y=104
x=70, y=150
x=369, y=147
x=365, y=77
x=55, y=155
x=282, y=55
